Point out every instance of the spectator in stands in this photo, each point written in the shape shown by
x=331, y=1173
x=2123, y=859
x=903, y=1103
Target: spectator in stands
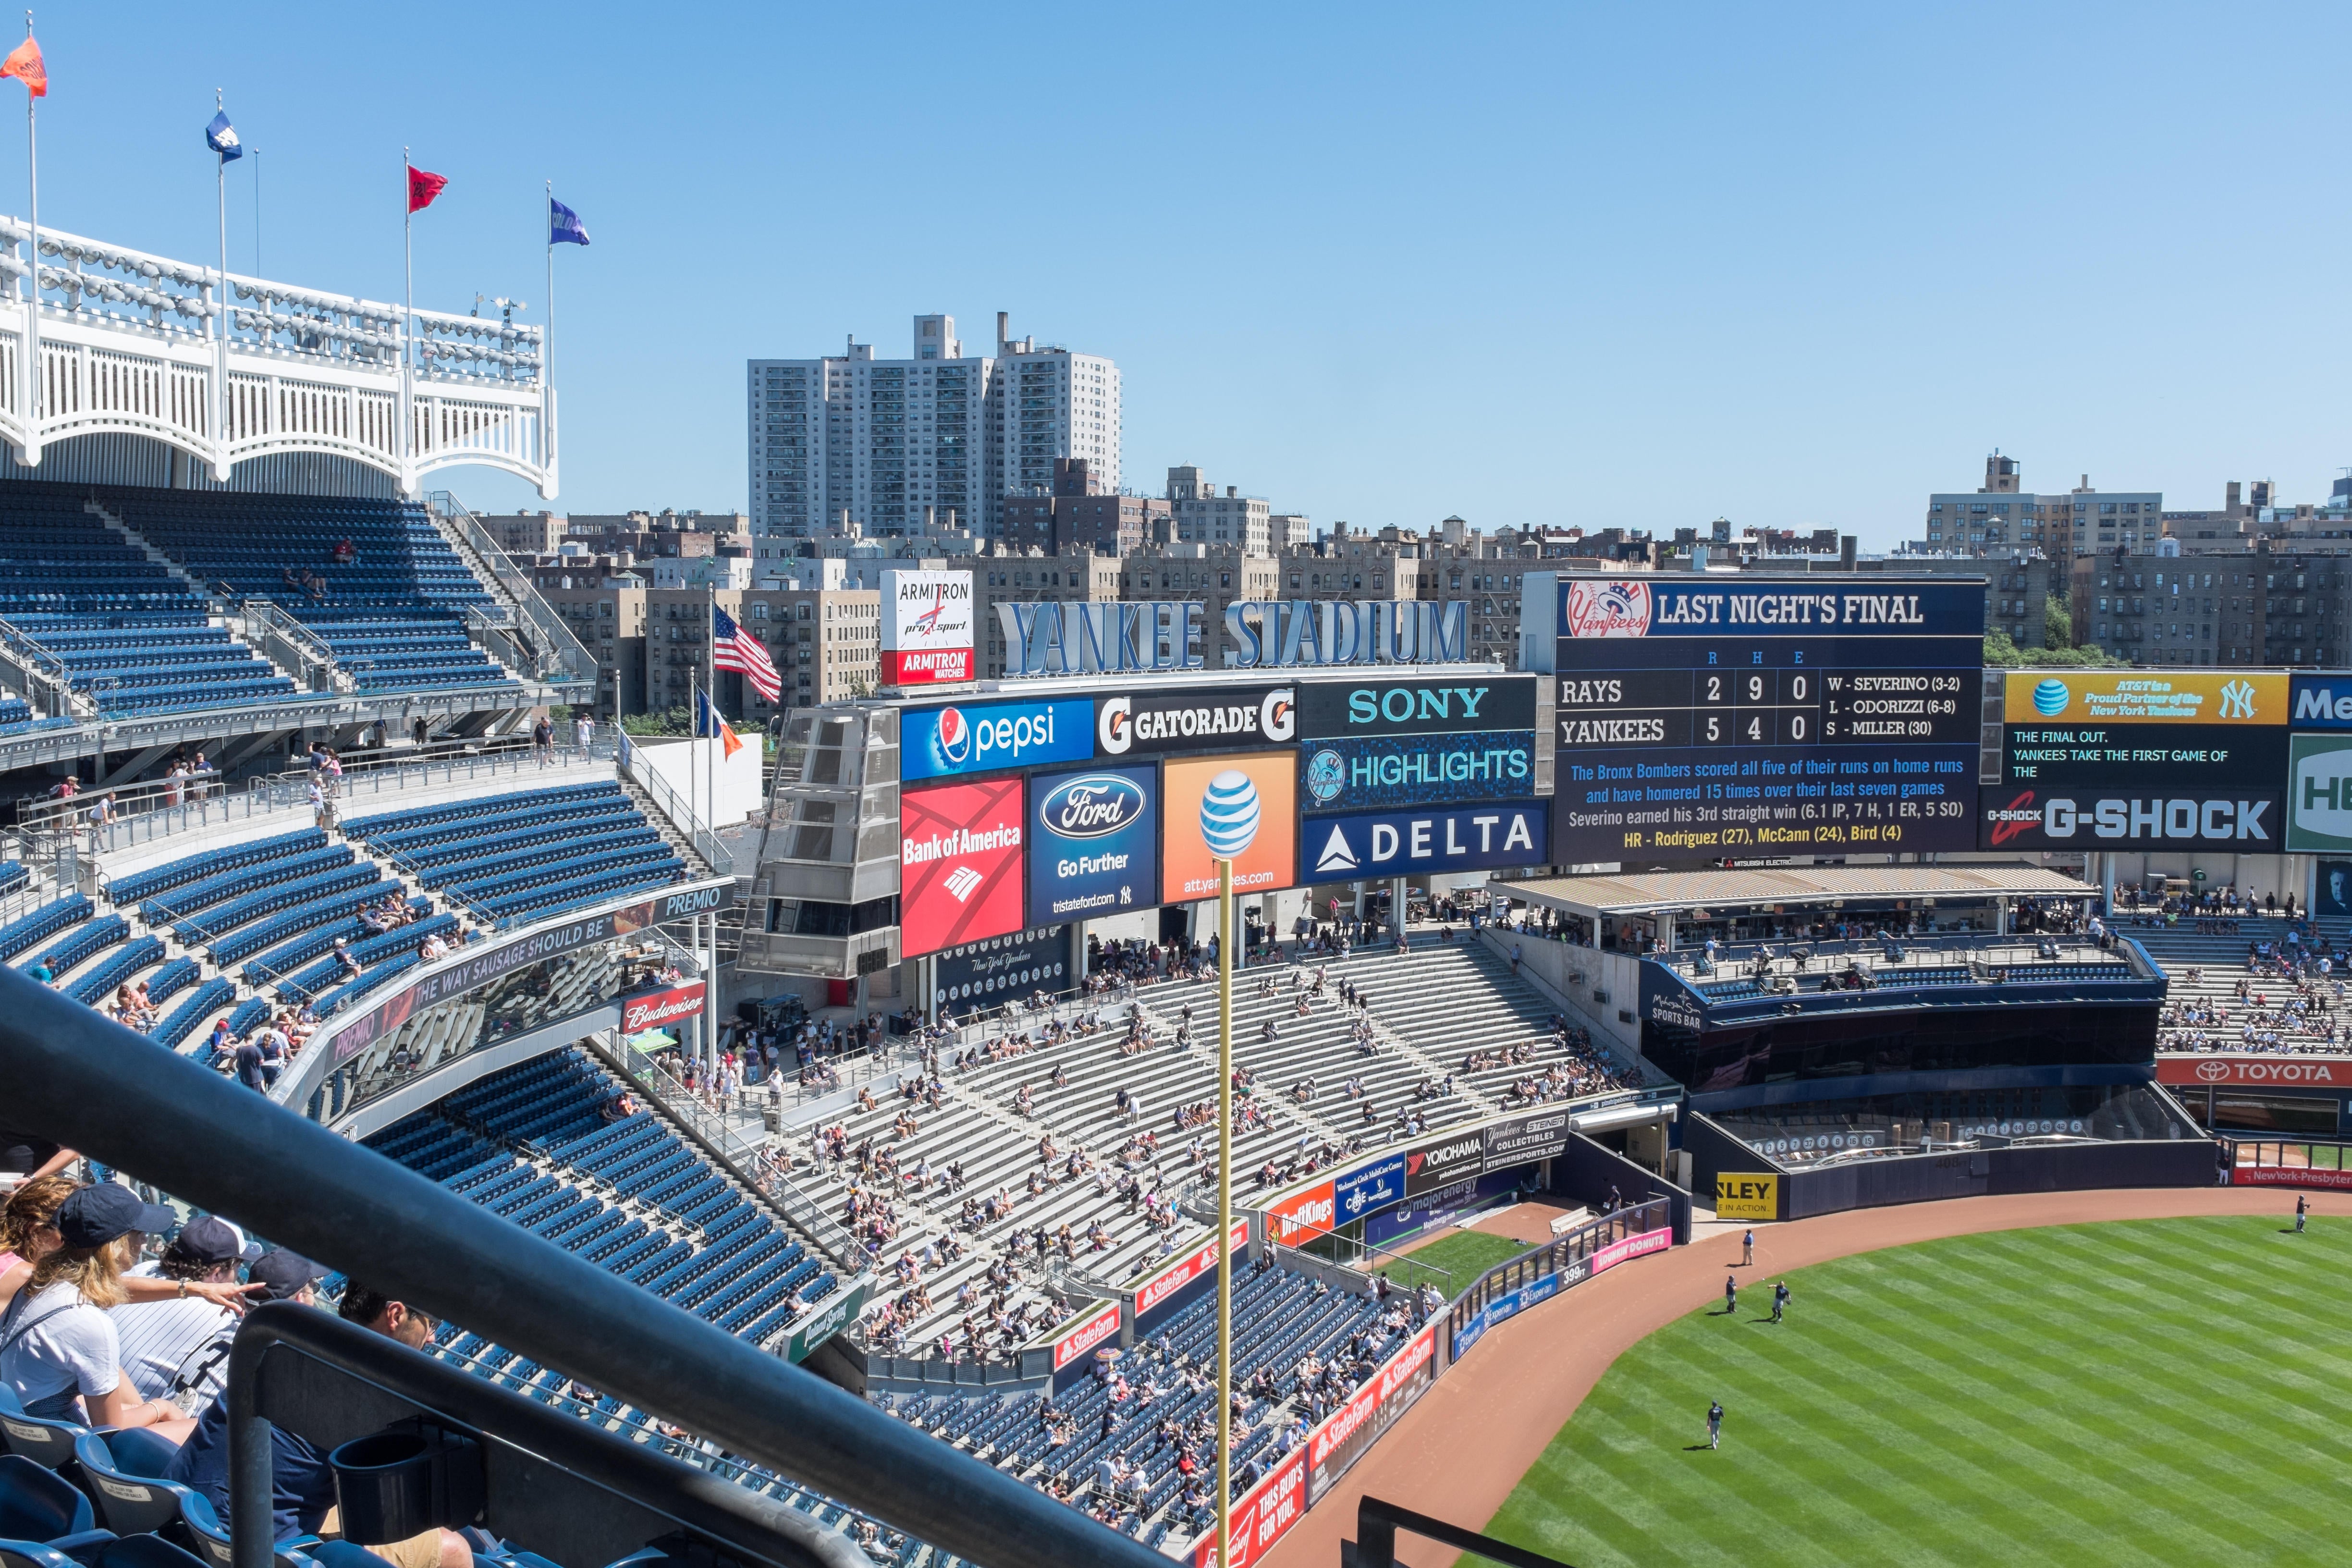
x=583, y=731
x=177, y=1351
x=343, y=959
x=29, y=1156
x=41, y=973
x=26, y=1229
x=59, y=1351
x=543, y=740
x=303, y=1488
x=250, y=1065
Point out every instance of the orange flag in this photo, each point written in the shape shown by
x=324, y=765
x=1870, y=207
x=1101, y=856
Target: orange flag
x=25, y=64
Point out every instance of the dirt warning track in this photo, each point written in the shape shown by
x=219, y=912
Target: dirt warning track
x=1457, y=1454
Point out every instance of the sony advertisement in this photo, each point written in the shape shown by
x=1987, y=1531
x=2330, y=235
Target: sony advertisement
x=1096, y=847
x=2107, y=759
x=989, y=737
x=1195, y=719
x=1395, y=843
x=1341, y=773
x=1417, y=707
x=1706, y=719
x=927, y=619
x=959, y=863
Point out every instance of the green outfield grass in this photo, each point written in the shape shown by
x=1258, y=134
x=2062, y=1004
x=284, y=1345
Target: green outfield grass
x=1465, y=1256
x=2165, y=1391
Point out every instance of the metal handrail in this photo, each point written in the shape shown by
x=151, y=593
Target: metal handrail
x=88, y=1082
x=681, y=813
x=44, y=666
x=1377, y=1523
x=563, y=646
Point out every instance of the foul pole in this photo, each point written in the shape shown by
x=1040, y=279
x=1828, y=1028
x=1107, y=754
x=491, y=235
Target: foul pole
x=1224, y=1209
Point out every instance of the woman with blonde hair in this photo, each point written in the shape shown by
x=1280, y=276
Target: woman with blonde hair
x=28, y=1233
x=59, y=1350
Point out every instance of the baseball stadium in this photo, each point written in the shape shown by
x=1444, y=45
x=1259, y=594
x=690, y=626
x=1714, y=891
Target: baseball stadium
x=1743, y=1081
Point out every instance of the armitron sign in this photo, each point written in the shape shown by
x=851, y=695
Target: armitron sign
x=2250, y=1071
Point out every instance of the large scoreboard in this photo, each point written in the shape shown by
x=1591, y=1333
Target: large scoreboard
x=1705, y=718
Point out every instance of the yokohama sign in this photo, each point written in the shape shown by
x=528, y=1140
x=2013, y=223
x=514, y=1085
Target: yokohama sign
x=2243, y=1071
x=642, y=1012
x=1202, y=1260
x=1086, y=1334
x=1353, y=1428
x=1263, y=1517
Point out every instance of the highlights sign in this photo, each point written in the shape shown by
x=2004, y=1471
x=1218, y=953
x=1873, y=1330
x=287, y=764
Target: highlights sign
x=927, y=619
x=959, y=864
x=1258, y=790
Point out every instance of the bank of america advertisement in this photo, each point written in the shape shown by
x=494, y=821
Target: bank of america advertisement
x=959, y=863
x=2097, y=759
x=1095, y=850
x=927, y=619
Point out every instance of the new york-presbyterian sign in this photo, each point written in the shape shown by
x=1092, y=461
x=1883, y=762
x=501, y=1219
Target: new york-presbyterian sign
x=1053, y=638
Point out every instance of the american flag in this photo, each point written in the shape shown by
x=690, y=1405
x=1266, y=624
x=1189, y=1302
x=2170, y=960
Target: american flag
x=732, y=648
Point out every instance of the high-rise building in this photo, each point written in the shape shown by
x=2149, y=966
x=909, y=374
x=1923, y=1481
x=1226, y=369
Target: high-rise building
x=876, y=442
x=2001, y=520
x=1204, y=517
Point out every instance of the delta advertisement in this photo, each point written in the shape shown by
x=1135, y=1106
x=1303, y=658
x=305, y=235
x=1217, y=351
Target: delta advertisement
x=1195, y=719
x=991, y=737
x=1340, y=773
x=959, y=864
x=1257, y=801
x=1262, y=1516
x=1393, y=843
x=2103, y=759
x=1095, y=849
x=1442, y=707
x=1358, y=1425
x=927, y=619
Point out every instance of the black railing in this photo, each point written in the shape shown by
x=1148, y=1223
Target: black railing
x=1377, y=1523
x=76, y=1076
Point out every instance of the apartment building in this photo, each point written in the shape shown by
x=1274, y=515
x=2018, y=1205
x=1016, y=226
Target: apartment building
x=1081, y=515
x=826, y=645
x=604, y=606
x=878, y=443
x=1032, y=577
x=2001, y=519
x=2260, y=607
x=1203, y=516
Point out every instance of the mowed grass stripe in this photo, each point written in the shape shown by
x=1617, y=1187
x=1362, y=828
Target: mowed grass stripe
x=2156, y=1391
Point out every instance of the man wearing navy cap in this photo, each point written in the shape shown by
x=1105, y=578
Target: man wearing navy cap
x=177, y=1350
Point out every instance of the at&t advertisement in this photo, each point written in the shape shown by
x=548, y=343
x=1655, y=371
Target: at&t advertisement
x=959, y=864
x=1096, y=850
x=1252, y=814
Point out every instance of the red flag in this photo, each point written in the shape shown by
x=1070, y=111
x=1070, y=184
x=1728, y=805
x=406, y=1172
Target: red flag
x=422, y=187
x=25, y=64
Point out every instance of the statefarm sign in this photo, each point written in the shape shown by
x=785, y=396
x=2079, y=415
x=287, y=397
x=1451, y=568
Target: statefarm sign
x=2227, y=1071
x=1352, y=1428
x=639, y=1013
x=1086, y=1334
x=1202, y=1260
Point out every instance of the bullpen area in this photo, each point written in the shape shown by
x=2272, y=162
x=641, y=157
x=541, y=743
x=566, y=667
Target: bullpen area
x=2135, y=1391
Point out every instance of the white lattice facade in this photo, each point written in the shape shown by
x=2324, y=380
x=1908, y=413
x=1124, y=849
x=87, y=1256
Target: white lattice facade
x=131, y=344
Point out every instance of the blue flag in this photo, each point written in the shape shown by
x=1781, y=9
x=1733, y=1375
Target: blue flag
x=221, y=137
x=563, y=225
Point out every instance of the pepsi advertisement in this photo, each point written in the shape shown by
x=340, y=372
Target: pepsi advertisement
x=1393, y=843
x=1343, y=774
x=1095, y=847
x=989, y=737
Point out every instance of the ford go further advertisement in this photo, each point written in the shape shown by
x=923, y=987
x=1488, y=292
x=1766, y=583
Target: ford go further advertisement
x=1096, y=850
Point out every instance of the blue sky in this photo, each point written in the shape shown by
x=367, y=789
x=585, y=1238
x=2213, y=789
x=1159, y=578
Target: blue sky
x=1546, y=263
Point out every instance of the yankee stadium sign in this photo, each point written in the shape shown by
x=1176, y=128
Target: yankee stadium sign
x=1053, y=638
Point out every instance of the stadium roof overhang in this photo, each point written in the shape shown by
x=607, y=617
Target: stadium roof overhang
x=1785, y=886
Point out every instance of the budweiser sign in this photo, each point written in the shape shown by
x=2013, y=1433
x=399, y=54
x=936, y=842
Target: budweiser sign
x=2235, y=1071
x=639, y=1013
x=1263, y=1517
x=1086, y=1334
x=1201, y=1260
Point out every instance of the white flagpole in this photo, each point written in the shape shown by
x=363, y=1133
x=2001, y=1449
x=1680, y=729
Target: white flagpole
x=547, y=345
x=33, y=283
x=219, y=322
x=407, y=329
x=220, y=194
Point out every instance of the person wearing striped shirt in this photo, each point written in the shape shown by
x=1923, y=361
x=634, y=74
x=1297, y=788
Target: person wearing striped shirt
x=177, y=1350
